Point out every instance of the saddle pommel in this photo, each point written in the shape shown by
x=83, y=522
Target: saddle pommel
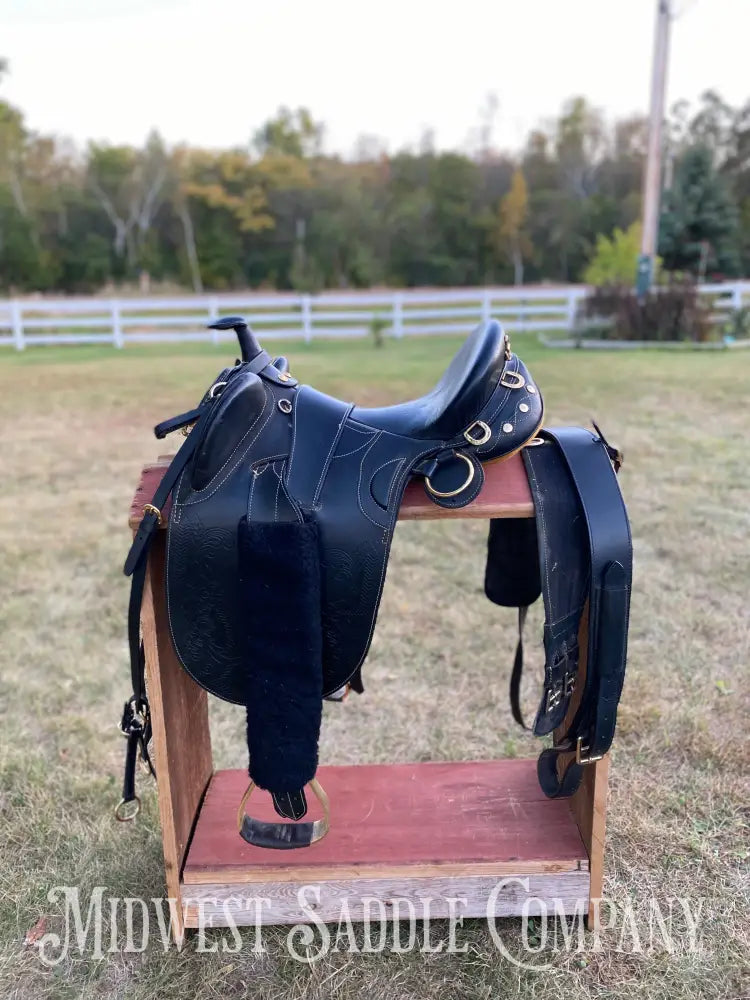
x=249, y=346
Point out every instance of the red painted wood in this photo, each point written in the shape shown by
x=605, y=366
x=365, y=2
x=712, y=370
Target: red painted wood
x=505, y=494
x=399, y=814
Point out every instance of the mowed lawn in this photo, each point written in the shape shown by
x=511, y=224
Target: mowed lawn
x=75, y=428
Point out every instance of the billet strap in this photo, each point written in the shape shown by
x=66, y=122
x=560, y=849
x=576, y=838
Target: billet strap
x=135, y=724
x=517, y=672
x=283, y=836
x=589, y=734
x=136, y=728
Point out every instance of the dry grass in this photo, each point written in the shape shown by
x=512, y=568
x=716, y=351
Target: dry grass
x=74, y=428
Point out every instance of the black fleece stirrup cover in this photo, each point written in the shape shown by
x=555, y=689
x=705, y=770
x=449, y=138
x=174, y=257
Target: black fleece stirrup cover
x=280, y=591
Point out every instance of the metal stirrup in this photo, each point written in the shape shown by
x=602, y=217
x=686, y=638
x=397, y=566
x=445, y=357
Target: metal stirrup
x=283, y=836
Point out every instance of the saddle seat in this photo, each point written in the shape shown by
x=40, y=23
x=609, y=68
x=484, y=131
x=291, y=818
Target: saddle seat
x=460, y=394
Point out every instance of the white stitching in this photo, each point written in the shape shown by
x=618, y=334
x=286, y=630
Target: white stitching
x=383, y=466
x=290, y=461
x=250, y=443
x=327, y=462
x=345, y=454
x=238, y=445
x=252, y=490
x=359, y=483
x=278, y=487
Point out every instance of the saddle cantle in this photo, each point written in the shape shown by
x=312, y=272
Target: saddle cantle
x=284, y=504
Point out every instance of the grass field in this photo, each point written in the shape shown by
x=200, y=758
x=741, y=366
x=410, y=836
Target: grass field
x=74, y=432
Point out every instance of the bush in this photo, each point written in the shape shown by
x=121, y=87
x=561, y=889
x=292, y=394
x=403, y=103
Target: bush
x=378, y=325
x=615, y=258
x=668, y=312
x=737, y=325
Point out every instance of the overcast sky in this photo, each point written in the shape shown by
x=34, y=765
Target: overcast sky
x=210, y=72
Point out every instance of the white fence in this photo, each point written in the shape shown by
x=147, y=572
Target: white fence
x=351, y=314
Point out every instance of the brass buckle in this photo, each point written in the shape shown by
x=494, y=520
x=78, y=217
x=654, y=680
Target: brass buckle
x=554, y=697
x=508, y=352
x=485, y=430
x=148, y=508
x=461, y=488
x=512, y=380
x=581, y=750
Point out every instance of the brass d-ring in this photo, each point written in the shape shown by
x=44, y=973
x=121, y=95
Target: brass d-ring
x=512, y=380
x=461, y=488
x=485, y=433
x=122, y=814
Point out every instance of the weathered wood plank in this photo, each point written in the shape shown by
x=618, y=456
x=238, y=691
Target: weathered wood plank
x=487, y=816
x=433, y=897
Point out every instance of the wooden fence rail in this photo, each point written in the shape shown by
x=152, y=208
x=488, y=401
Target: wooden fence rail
x=120, y=321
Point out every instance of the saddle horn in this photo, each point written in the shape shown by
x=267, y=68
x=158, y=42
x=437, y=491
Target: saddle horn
x=249, y=346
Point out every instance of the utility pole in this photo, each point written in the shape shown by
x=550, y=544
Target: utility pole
x=652, y=169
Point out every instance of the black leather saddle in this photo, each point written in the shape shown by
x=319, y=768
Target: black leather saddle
x=284, y=503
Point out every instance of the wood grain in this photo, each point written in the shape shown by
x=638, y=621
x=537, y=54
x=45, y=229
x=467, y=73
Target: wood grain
x=505, y=494
x=488, y=814
x=588, y=805
x=434, y=897
x=179, y=714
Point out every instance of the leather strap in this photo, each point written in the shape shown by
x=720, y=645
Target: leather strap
x=517, y=672
x=135, y=724
x=589, y=734
x=177, y=423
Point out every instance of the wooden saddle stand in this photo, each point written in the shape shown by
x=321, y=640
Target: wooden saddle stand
x=509, y=831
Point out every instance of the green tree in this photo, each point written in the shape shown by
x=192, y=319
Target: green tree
x=699, y=222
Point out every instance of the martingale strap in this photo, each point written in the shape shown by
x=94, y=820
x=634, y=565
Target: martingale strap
x=588, y=735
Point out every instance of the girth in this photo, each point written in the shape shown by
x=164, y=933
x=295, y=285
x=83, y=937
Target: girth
x=578, y=554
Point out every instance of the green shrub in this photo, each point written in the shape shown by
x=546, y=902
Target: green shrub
x=378, y=326
x=616, y=258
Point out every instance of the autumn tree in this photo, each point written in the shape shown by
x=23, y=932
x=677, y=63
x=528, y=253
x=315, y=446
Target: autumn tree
x=511, y=237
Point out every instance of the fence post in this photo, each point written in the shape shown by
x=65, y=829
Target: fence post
x=572, y=304
x=213, y=315
x=16, y=319
x=114, y=307
x=737, y=296
x=306, y=318
x=486, y=305
x=522, y=316
x=398, y=315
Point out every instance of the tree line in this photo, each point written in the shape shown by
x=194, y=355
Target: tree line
x=278, y=212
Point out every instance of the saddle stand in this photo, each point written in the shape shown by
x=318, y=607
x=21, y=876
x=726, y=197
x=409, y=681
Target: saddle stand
x=548, y=848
